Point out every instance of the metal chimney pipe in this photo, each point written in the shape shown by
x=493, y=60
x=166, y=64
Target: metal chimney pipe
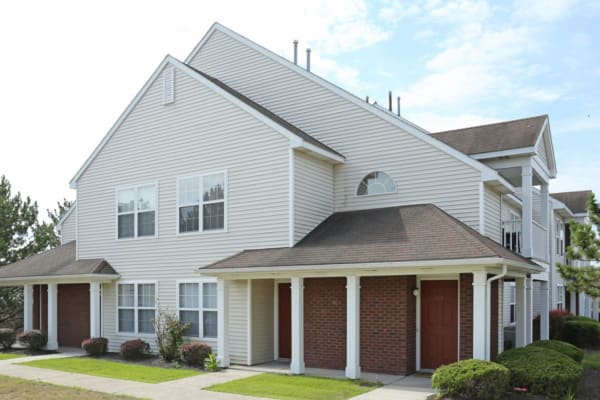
x=390, y=101
x=367, y=99
x=308, y=60
x=398, y=105
x=296, y=52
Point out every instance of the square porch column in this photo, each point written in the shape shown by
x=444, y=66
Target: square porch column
x=27, y=307
x=479, y=315
x=529, y=311
x=222, y=317
x=297, y=364
x=544, y=312
x=353, y=327
x=52, y=317
x=95, y=310
x=520, y=317
x=527, y=201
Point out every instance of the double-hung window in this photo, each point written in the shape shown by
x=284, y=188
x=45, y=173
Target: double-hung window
x=136, y=211
x=198, y=307
x=560, y=238
x=136, y=307
x=560, y=297
x=201, y=203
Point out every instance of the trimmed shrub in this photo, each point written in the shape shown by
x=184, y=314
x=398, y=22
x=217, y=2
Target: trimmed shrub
x=584, y=333
x=35, y=340
x=562, y=347
x=472, y=379
x=194, y=353
x=95, y=346
x=542, y=371
x=557, y=322
x=169, y=332
x=8, y=337
x=134, y=349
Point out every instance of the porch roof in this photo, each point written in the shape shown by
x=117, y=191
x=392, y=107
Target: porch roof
x=576, y=201
x=413, y=233
x=60, y=261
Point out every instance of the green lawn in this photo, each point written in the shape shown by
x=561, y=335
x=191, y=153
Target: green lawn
x=21, y=389
x=8, y=356
x=591, y=359
x=112, y=369
x=286, y=387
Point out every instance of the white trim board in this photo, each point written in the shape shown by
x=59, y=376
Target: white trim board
x=400, y=122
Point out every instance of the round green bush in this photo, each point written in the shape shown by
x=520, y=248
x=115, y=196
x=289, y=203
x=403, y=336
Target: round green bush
x=35, y=340
x=562, y=347
x=472, y=379
x=8, y=337
x=584, y=333
x=542, y=371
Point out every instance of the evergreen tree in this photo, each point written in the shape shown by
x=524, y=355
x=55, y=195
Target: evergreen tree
x=585, y=246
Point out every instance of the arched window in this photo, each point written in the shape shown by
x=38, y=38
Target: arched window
x=376, y=183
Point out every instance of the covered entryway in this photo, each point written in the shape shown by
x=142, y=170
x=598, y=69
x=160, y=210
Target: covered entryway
x=285, y=320
x=439, y=323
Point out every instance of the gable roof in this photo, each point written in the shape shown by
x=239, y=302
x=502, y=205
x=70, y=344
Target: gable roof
x=298, y=137
x=576, y=201
x=67, y=214
x=385, y=235
x=489, y=174
x=59, y=261
x=508, y=135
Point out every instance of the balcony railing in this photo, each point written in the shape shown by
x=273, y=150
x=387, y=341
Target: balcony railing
x=512, y=235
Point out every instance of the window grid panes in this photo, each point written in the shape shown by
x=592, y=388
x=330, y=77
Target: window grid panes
x=202, y=203
x=136, y=306
x=198, y=307
x=136, y=212
x=376, y=183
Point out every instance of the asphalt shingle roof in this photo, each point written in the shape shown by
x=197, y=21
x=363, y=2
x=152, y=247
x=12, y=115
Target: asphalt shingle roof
x=395, y=234
x=56, y=262
x=576, y=201
x=506, y=135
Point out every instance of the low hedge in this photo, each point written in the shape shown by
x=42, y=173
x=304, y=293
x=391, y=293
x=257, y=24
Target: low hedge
x=542, y=371
x=472, y=379
x=35, y=340
x=95, y=346
x=565, y=348
x=8, y=337
x=134, y=349
x=194, y=353
x=582, y=332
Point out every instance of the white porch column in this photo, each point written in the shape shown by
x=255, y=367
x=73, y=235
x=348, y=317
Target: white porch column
x=480, y=338
x=353, y=327
x=222, y=317
x=581, y=305
x=544, y=312
x=95, y=311
x=520, y=317
x=573, y=302
x=527, y=199
x=27, y=307
x=297, y=364
x=528, y=311
x=52, y=317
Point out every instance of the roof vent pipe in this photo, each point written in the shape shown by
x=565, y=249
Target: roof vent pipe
x=308, y=60
x=367, y=99
x=398, y=105
x=296, y=52
x=390, y=101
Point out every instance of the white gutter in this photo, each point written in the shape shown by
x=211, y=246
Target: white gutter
x=12, y=281
x=488, y=306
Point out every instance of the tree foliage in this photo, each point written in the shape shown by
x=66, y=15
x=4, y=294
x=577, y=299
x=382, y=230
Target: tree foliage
x=22, y=235
x=585, y=246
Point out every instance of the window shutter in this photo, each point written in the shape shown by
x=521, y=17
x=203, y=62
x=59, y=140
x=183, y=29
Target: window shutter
x=169, y=85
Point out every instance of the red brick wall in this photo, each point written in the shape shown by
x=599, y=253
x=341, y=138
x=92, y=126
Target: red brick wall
x=387, y=324
x=466, y=316
x=325, y=323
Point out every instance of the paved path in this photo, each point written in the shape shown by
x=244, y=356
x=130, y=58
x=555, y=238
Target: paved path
x=404, y=388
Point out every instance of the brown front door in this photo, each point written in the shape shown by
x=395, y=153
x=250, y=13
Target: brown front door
x=73, y=314
x=285, y=320
x=439, y=323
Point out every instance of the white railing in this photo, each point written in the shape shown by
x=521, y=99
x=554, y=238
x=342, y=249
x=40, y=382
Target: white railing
x=512, y=235
x=540, y=242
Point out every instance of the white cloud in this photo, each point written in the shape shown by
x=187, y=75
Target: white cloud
x=424, y=34
x=543, y=10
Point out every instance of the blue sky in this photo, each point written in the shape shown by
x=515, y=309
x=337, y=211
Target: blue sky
x=69, y=68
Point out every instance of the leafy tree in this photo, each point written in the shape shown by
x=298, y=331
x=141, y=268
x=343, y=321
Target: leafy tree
x=585, y=246
x=21, y=235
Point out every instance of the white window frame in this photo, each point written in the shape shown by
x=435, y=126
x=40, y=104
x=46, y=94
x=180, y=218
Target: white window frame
x=375, y=194
x=560, y=297
x=560, y=237
x=200, y=308
x=135, y=307
x=201, y=203
x=135, y=212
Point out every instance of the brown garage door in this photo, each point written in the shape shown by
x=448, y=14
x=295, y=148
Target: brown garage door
x=73, y=314
x=439, y=323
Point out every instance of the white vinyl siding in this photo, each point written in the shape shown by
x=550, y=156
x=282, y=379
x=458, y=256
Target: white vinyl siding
x=262, y=321
x=422, y=173
x=313, y=193
x=201, y=131
x=492, y=218
x=542, y=152
x=68, y=229
x=237, y=323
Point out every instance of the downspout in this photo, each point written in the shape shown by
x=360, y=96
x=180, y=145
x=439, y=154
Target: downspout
x=488, y=306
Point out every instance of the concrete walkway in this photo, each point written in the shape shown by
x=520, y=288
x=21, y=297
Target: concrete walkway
x=396, y=387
